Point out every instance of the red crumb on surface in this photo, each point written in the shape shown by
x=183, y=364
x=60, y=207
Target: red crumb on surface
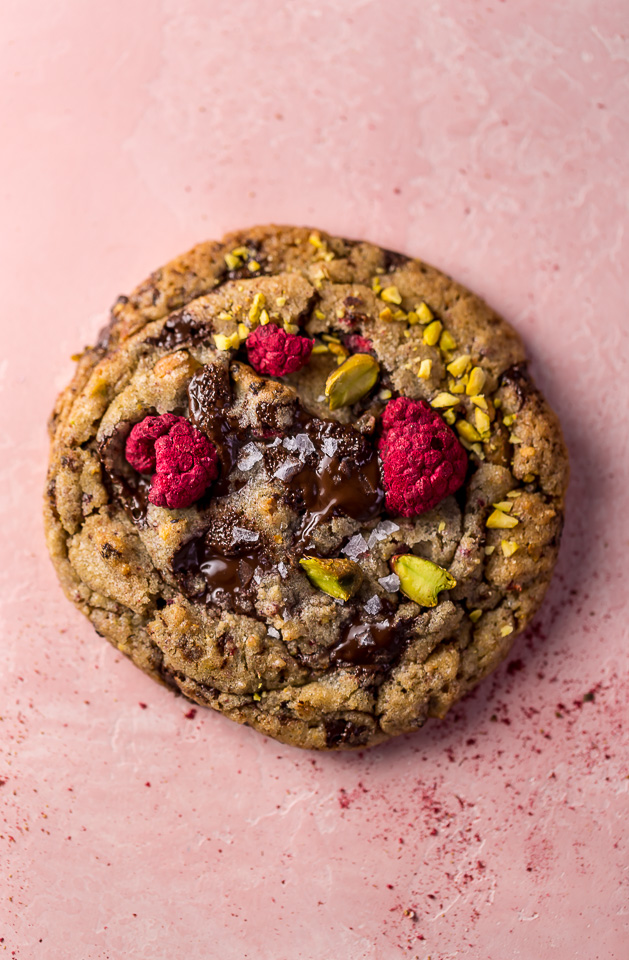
x=191, y=714
x=422, y=459
x=357, y=344
x=275, y=353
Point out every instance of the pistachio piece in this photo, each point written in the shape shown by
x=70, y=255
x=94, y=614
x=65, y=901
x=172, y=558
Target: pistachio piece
x=421, y=580
x=338, y=578
x=352, y=380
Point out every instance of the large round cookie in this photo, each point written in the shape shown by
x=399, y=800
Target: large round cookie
x=331, y=577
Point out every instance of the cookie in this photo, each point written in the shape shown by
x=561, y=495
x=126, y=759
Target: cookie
x=307, y=482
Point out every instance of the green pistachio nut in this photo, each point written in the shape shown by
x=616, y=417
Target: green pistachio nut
x=338, y=578
x=421, y=580
x=352, y=380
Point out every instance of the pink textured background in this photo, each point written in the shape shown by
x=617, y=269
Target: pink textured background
x=489, y=137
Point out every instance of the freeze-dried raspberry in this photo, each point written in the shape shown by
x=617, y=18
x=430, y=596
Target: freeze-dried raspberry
x=274, y=352
x=357, y=344
x=422, y=459
x=184, y=459
x=186, y=465
x=140, y=446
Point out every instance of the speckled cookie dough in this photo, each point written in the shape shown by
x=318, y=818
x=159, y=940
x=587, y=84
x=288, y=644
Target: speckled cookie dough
x=307, y=482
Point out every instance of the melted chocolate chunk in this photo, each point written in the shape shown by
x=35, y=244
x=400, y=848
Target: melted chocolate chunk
x=393, y=260
x=228, y=561
x=340, y=731
x=179, y=329
x=518, y=378
x=340, y=475
x=374, y=643
x=129, y=487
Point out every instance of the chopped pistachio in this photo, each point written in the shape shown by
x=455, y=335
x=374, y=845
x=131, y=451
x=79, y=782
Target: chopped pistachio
x=316, y=240
x=508, y=547
x=447, y=341
x=475, y=615
x=489, y=551
x=376, y=285
x=256, y=308
x=225, y=315
x=352, y=380
x=509, y=420
x=501, y=521
x=319, y=314
x=399, y=315
x=505, y=505
x=407, y=334
x=442, y=526
x=449, y=416
x=412, y=317
x=257, y=696
x=227, y=343
x=319, y=348
x=444, y=400
x=385, y=395
x=480, y=401
x=340, y=352
x=240, y=252
x=467, y=431
x=421, y=580
x=253, y=266
x=264, y=318
x=291, y=327
x=432, y=333
x=425, y=369
x=386, y=315
x=483, y=423
x=505, y=631
x=455, y=386
x=243, y=331
x=497, y=403
x=329, y=338
x=424, y=313
x=338, y=578
x=514, y=493
x=528, y=477
x=459, y=365
x=280, y=301
x=514, y=439
x=232, y=261
x=476, y=382
x=478, y=450
x=391, y=295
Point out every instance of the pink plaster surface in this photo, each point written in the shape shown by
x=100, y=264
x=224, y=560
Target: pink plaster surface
x=488, y=137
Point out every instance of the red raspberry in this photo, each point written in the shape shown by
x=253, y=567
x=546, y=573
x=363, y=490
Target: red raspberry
x=140, y=446
x=274, y=352
x=184, y=459
x=357, y=344
x=422, y=459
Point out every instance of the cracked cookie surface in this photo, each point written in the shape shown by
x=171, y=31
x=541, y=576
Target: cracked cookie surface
x=273, y=596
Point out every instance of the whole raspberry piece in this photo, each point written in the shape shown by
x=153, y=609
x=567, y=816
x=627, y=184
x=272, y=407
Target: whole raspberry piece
x=357, y=344
x=184, y=459
x=186, y=465
x=422, y=459
x=140, y=446
x=274, y=352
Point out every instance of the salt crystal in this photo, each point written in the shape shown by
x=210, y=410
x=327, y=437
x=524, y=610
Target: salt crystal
x=382, y=531
x=272, y=632
x=373, y=605
x=275, y=443
x=283, y=569
x=356, y=547
x=302, y=443
x=287, y=470
x=330, y=446
x=321, y=398
x=242, y=535
x=390, y=583
x=249, y=456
